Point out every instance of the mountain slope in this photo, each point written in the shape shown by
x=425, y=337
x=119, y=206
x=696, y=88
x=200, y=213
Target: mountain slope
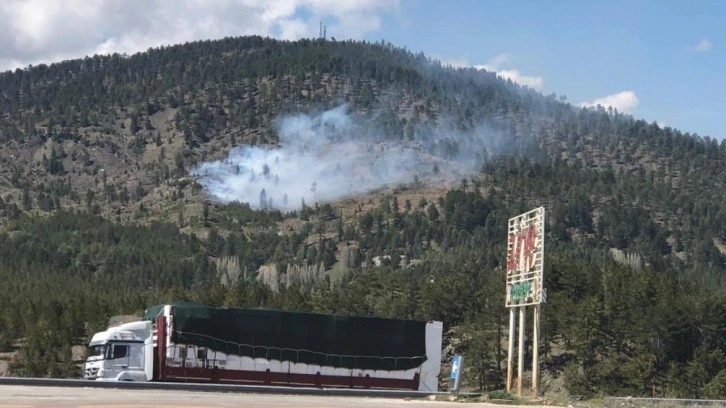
x=121, y=134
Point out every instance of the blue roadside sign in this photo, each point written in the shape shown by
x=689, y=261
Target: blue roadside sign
x=455, y=367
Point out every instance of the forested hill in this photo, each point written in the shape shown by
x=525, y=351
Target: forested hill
x=384, y=188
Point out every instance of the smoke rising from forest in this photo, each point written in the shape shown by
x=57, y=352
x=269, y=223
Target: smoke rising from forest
x=333, y=155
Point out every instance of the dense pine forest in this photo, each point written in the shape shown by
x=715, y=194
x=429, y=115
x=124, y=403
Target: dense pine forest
x=102, y=213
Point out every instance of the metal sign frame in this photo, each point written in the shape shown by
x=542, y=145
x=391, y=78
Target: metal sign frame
x=525, y=259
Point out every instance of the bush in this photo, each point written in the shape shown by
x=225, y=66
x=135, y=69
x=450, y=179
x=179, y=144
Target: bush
x=500, y=395
x=576, y=381
x=716, y=388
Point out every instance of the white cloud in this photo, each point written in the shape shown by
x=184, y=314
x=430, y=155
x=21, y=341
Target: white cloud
x=495, y=64
x=624, y=102
x=704, y=46
x=497, y=61
x=516, y=76
x=43, y=31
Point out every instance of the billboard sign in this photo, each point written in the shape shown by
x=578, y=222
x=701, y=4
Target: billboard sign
x=525, y=259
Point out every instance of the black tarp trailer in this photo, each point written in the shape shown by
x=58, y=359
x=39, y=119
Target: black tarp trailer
x=199, y=343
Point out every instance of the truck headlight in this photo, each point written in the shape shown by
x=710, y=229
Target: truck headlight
x=100, y=373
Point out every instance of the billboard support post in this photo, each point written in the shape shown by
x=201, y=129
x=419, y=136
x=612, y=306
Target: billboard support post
x=535, y=350
x=524, y=287
x=520, y=361
x=510, y=350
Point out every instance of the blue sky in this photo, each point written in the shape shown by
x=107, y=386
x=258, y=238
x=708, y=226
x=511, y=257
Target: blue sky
x=588, y=50
x=661, y=60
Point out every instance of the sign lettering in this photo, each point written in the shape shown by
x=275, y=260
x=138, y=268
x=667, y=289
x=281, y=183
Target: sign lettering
x=520, y=290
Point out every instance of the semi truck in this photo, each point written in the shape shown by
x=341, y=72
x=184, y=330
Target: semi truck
x=191, y=342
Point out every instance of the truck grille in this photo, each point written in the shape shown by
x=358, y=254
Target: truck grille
x=90, y=373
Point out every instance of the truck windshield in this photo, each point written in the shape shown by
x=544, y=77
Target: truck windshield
x=96, y=351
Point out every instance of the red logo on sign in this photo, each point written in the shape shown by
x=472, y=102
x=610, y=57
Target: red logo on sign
x=522, y=241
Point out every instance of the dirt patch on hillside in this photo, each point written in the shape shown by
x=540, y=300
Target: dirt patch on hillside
x=721, y=246
x=5, y=359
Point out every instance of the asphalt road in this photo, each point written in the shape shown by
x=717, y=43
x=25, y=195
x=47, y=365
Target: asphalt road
x=31, y=396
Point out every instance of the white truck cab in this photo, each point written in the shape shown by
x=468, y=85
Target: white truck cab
x=121, y=353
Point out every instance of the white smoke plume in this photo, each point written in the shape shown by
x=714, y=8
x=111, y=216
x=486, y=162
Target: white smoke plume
x=333, y=155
